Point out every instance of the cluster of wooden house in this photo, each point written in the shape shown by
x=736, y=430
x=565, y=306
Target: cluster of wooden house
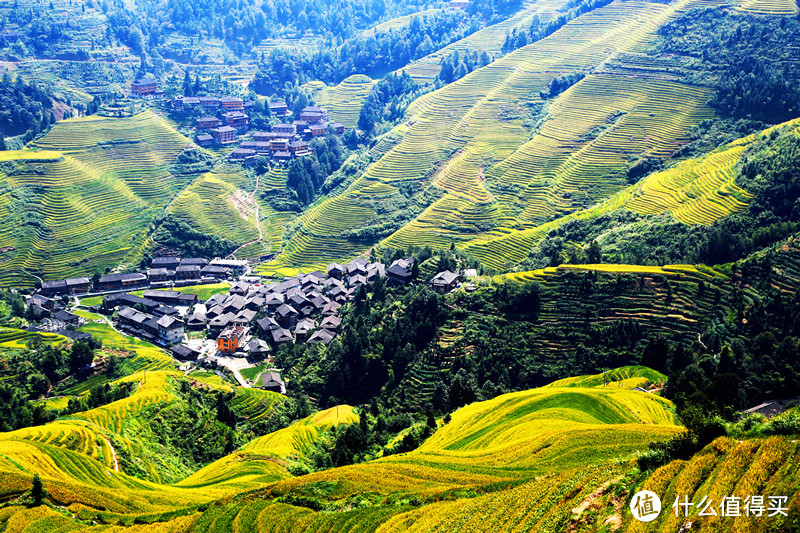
x=287, y=140
x=50, y=315
x=255, y=318
x=163, y=271
x=154, y=316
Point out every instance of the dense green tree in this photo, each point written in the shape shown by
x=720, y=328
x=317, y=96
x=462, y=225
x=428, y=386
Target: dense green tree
x=38, y=492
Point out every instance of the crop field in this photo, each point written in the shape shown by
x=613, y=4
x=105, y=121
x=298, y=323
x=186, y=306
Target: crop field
x=473, y=141
x=255, y=404
x=521, y=461
x=16, y=338
x=728, y=467
x=697, y=191
x=344, y=101
x=542, y=505
x=216, y=204
x=767, y=7
x=203, y=292
x=91, y=207
x=489, y=39
x=297, y=438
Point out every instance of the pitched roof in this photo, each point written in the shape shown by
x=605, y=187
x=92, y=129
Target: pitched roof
x=267, y=324
x=444, y=278
x=272, y=380
x=304, y=326
x=168, y=322
x=183, y=352
x=321, y=336
x=197, y=318
x=113, y=278
x=287, y=310
x=194, y=261
x=257, y=345
x=330, y=322
x=281, y=335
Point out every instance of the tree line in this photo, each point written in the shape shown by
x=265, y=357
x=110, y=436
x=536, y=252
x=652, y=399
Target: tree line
x=371, y=54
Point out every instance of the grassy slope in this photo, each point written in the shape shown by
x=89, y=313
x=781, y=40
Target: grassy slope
x=87, y=198
x=91, y=207
x=522, y=461
x=344, y=101
x=697, y=191
x=74, y=454
x=494, y=176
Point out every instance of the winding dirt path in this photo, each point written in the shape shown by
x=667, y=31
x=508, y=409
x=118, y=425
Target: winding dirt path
x=258, y=221
x=113, y=453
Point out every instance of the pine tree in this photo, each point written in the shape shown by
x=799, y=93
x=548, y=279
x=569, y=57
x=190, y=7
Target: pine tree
x=187, y=84
x=37, y=492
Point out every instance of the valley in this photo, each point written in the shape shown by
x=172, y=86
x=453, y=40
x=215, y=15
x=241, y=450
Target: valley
x=410, y=265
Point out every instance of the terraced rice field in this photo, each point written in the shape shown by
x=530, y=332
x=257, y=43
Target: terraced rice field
x=767, y=7
x=728, y=467
x=489, y=40
x=219, y=203
x=345, y=100
x=520, y=461
x=471, y=141
x=698, y=191
x=297, y=439
x=16, y=338
x=90, y=207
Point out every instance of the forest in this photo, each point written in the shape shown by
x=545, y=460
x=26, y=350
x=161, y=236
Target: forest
x=373, y=55
x=24, y=108
x=746, y=58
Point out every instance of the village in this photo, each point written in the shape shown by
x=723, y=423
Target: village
x=224, y=122
x=239, y=328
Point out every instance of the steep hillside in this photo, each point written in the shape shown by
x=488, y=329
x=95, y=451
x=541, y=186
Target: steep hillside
x=486, y=447
x=697, y=191
x=85, y=206
x=465, y=140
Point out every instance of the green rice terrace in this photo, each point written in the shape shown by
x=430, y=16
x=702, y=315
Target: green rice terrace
x=489, y=163
x=505, y=462
x=472, y=142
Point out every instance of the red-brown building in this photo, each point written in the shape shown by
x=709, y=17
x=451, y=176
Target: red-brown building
x=231, y=103
x=314, y=115
x=285, y=129
x=236, y=119
x=318, y=130
x=298, y=148
x=278, y=108
x=231, y=339
x=242, y=154
x=209, y=103
x=204, y=140
x=208, y=123
x=259, y=147
x=144, y=87
x=224, y=135
x=262, y=137
x=279, y=145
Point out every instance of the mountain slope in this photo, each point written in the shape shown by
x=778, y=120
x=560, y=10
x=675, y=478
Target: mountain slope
x=464, y=140
x=87, y=206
